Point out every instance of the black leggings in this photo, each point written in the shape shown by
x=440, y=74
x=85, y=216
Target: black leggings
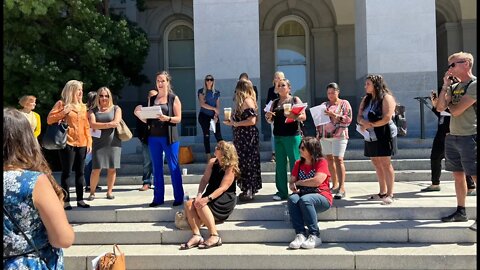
x=72, y=156
x=204, y=121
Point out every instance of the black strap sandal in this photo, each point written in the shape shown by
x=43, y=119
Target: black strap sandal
x=185, y=245
x=216, y=244
x=377, y=197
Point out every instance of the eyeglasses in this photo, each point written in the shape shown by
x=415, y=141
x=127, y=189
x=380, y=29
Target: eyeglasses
x=209, y=79
x=452, y=65
x=104, y=96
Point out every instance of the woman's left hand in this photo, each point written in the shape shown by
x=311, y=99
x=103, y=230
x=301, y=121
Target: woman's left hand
x=228, y=123
x=200, y=203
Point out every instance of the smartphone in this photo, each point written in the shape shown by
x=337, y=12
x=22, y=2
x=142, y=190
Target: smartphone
x=453, y=79
x=434, y=95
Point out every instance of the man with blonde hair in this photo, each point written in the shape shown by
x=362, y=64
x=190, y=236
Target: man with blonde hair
x=461, y=143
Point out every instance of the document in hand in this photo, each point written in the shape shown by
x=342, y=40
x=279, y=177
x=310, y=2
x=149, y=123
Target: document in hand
x=365, y=133
x=268, y=107
x=150, y=112
x=296, y=109
x=319, y=116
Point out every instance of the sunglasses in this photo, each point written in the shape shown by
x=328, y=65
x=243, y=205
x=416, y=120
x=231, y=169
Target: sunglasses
x=217, y=148
x=302, y=147
x=104, y=96
x=282, y=85
x=452, y=65
x=209, y=79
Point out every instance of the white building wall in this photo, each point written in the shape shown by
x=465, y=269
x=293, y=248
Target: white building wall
x=227, y=43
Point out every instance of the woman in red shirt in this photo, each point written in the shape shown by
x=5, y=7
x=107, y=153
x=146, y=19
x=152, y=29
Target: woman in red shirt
x=309, y=183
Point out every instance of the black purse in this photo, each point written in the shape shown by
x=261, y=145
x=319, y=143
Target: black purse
x=55, y=138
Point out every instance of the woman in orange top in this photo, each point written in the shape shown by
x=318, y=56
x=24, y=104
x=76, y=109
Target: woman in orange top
x=71, y=109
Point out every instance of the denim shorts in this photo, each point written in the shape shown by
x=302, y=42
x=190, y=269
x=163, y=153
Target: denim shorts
x=461, y=154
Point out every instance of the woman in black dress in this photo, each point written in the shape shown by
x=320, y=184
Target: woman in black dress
x=219, y=196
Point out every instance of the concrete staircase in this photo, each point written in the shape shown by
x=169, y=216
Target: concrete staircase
x=356, y=233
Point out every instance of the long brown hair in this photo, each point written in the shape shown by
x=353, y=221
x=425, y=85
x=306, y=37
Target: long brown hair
x=21, y=149
x=243, y=90
x=379, y=87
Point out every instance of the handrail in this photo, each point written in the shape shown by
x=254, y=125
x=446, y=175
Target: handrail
x=423, y=102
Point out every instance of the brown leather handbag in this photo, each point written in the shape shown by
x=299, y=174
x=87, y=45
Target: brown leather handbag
x=185, y=155
x=112, y=261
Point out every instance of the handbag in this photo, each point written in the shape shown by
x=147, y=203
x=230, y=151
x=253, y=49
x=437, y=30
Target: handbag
x=181, y=221
x=185, y=155
x=112, y=261
x=55, y=138
x=123, y=132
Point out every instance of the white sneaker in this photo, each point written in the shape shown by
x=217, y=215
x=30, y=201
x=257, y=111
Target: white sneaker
x=298, y=241
x=277, y=198
x=313, y=241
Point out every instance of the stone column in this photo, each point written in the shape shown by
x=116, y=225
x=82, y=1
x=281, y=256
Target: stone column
x=388, y=42
x=226, y=44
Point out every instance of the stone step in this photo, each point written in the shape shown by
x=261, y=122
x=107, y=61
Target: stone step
x=391, y=231
x=265, y=155
x=350, y=165
x=269, y=177
x=131, y=206
x=345, y=256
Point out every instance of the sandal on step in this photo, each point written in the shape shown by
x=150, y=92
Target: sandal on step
x=377, y=197
x=185, y=245
x=216, y=244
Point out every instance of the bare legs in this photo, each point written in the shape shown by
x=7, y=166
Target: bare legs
x=95, y=178
x=332, y=168
x=385, y=174
x=340, y=171
x=196, y=218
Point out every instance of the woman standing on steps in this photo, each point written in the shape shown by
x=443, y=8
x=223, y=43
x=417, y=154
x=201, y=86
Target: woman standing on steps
x=107, y=148
x=286, y=135
x=208, y=97
x=375, y=116
x=163, y=138
x=73, y=111
x=334, y=137
x=217, y=201
x=246, y=139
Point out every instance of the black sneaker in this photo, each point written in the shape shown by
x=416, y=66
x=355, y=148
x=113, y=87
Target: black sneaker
x=455, y=217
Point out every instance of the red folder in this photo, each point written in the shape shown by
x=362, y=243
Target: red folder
x=296, y=109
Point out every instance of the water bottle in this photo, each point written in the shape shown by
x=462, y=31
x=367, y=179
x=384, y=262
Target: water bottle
x=186, y=197
x=286, y=213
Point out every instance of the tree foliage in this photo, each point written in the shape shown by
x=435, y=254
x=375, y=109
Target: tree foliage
x=48, y=42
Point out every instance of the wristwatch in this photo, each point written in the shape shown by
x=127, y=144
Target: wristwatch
x=210, y=198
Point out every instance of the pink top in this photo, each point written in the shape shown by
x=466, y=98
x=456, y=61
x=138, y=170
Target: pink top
x=337, y=127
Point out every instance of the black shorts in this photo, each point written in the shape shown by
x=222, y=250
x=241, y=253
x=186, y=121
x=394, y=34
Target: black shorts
x=381, y=148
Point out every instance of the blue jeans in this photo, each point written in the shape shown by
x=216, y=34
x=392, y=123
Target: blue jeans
x=303, y=211
x=88, y=169
x=159, y=145
x=147, y=165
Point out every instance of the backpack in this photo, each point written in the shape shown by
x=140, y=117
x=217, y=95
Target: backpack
x=400, y=120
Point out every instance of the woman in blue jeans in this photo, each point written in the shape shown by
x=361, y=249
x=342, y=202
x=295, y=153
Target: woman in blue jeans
x=309, y=183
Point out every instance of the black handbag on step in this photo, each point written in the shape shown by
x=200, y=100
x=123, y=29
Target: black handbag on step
x=55, y=138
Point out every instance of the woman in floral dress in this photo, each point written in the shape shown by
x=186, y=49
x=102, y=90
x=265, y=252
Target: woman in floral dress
x=246, y=139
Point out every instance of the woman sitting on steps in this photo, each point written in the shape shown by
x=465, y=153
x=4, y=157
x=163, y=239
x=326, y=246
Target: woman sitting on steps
x=219, y=197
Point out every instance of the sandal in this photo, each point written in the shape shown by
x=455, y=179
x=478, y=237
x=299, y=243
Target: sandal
x=185, y=245
x=216, y=244
x=91, y=197
x=377, y=197
x=387, y=200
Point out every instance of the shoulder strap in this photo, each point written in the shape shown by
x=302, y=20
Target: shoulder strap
x=29, y=241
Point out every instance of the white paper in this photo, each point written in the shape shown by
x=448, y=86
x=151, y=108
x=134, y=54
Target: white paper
x=95, y=261
x=364, y=132
x=150, y=112
x=444, y=113
x=268, y=107
x=319, y=116
x=97, y=133
x=212, y=125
